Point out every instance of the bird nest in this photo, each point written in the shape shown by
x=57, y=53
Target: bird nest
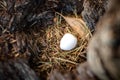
x=52, y=57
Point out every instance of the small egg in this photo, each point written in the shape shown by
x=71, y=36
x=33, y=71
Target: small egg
x=68, y=42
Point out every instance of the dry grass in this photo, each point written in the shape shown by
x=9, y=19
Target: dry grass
x=52, y=57
x=3, y=5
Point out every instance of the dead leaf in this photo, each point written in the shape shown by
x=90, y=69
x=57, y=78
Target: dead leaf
x=77, y=24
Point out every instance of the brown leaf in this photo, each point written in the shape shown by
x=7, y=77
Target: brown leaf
x=77, y=24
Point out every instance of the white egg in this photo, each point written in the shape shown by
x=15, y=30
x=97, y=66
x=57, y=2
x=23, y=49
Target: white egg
x=68, y=42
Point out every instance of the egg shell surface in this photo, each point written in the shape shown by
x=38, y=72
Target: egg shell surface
x=68, y=42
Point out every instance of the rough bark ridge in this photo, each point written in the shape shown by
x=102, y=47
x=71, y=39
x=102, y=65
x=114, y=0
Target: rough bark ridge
x=104, y=48
x=16, y=70
x=93, y=10
x=19, y=15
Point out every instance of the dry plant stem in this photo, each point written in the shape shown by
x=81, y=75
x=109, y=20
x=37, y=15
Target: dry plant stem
x=64, y=60
x=3, y=5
